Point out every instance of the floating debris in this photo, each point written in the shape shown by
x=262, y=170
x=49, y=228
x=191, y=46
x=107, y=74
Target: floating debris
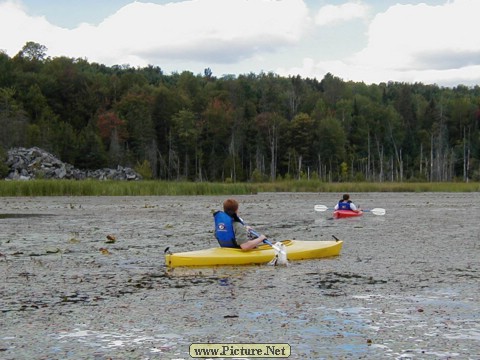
x=104, y=251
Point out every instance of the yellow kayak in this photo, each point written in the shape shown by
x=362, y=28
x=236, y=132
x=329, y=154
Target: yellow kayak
x=296, y=250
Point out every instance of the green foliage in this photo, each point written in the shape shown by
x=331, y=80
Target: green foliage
x=33, y=51
x=331, y=141
x=91, y=154
x=144, y=169
x=13, y=120
x=204, y=128
x=344, y=171
x=257, y=176
x=3, y=165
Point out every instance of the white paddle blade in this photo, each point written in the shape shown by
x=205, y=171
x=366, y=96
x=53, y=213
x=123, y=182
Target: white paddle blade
x=280, y=248
x=378, y=211
x=280, y=255
x=320, y=208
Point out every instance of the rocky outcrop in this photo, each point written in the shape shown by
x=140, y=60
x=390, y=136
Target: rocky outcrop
x=26, y=164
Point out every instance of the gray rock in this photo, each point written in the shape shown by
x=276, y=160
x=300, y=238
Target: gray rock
x=26, y=164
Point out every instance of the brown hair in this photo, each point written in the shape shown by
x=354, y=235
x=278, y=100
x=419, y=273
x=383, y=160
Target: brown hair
x=346, y=197
x=230, y=206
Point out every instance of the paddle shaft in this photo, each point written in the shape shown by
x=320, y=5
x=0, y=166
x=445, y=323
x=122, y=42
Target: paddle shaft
x=266, y=241
x=376, y=211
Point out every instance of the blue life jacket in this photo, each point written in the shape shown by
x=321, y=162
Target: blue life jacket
x=344, y=205
x=224, y=230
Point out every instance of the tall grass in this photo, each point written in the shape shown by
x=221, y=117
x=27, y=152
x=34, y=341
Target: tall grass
x=118, y=188
x=145, y=188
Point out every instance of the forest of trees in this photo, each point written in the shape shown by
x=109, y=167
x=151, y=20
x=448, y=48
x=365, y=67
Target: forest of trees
x=252, y=127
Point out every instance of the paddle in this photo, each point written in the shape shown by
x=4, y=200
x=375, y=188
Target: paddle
x=266, y=241
x=376, y=211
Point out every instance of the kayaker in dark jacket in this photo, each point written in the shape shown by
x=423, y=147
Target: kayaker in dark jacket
x=230, y=230
x=346, y=204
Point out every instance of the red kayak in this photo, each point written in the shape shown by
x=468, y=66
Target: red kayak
x=338, y=214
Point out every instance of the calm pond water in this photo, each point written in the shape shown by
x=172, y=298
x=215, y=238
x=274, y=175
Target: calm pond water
x=406, y=285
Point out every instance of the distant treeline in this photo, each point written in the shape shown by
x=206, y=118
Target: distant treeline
x=252, y=127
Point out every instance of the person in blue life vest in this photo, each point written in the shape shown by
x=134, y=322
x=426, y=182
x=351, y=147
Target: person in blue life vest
x=230, y=229
x=346, y=204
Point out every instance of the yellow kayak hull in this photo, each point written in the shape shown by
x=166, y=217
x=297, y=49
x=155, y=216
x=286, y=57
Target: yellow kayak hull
x=296, y=250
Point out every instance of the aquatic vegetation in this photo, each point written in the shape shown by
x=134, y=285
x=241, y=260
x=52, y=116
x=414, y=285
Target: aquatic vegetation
x=151, y=187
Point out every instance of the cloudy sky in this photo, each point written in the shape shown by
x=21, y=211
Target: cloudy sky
x=429, y=41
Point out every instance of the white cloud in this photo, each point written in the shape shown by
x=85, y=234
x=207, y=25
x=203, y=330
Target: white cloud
x=143, y=33
x=414, y=43
x=333, y=14
x=415, y=37
x=16, y=27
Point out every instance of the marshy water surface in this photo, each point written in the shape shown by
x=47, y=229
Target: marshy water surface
x=406, y=284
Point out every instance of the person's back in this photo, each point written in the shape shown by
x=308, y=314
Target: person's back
x=224, y=229
x=230, y=231
x=346, y=204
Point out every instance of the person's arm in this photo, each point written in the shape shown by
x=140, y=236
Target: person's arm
x=335, y=207
x=252, y=244
x=353, y=207
x=241, y=236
